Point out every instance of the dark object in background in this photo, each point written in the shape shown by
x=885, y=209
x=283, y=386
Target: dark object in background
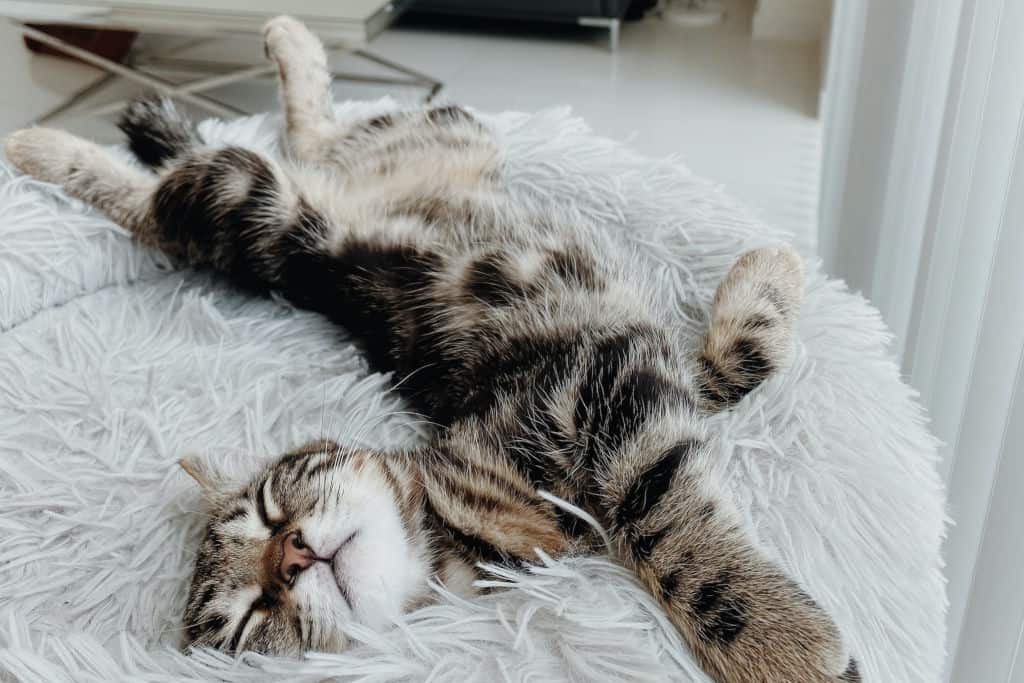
x=527, y=10
x=112, y=45
x=638, y=8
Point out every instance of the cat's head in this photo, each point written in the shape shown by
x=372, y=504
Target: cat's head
x=320, y=538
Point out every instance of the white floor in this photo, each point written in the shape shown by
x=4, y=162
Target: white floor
x=737, y=111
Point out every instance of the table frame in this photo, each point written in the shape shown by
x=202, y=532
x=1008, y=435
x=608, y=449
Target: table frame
x=212, y=74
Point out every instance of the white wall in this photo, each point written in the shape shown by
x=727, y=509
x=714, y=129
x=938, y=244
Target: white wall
x=793, y=20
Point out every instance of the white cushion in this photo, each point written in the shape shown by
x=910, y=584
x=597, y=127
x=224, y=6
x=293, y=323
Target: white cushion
x=113, y=365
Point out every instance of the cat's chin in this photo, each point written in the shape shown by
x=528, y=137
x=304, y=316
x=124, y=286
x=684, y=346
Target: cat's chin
x=374, y=570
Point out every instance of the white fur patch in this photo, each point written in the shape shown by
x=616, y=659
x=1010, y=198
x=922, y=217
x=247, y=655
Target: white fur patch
x=241, y=603
x=360, y=527
x=274, y=513
x=235, y=186
x=248, y=526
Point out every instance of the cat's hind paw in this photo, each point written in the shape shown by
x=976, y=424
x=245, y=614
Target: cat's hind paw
x=291, y=45
x=751, y=334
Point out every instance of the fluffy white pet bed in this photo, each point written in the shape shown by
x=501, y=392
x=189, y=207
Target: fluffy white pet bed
x=113, y=365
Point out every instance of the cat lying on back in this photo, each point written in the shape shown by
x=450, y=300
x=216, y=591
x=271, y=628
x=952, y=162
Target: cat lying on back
x=547, y=365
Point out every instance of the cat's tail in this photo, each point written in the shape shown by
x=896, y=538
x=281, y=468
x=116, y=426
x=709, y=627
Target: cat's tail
x=157, y=132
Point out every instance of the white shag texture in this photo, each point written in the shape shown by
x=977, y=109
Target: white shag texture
x=113, y=365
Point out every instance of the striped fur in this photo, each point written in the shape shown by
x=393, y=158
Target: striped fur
x=543, y=361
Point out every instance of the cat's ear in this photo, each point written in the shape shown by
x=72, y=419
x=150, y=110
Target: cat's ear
x=211, y=483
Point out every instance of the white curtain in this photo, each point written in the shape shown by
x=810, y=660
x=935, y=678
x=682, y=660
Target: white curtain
x=923, y=211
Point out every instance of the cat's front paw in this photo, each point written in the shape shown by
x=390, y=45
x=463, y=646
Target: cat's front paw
x=43, y=153
x=290, y=44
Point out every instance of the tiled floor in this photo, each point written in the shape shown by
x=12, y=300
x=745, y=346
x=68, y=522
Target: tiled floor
x=737, y=111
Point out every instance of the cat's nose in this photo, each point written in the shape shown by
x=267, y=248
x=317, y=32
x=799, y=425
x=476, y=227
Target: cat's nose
x=296, y=556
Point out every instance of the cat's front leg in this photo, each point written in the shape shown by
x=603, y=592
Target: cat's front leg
x=229, y=208
x=88, y=172
x=672, y=523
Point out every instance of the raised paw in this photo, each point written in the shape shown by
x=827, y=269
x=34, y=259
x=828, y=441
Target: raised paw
x=751, y=333
x=291, y=45
x=44, y=153
x=772, y=274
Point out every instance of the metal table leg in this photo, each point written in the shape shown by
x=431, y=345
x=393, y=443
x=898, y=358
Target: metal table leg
x=150, y=81
x=224, y=73
x=77, y=97
x=434, y=86
x=197, y=86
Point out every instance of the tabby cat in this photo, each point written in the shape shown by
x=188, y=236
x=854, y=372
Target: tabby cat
x=544, y=363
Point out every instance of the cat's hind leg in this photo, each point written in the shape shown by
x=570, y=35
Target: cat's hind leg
x=751, y=334
x=305, y=83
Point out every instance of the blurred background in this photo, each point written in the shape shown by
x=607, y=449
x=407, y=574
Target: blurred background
x=883, y=135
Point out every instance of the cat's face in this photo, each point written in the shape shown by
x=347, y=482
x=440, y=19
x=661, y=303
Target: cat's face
x=319, y=539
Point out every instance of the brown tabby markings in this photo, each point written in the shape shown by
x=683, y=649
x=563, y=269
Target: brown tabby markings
x=547, y=364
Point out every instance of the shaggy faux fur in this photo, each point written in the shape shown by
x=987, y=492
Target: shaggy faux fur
x=113, y=365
